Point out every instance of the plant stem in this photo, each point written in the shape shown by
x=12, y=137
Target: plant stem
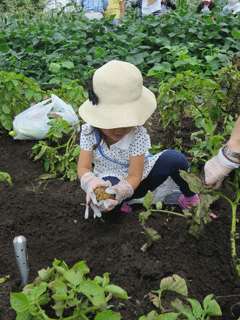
x=234, y=205
x=171, y=212
x=233, y=228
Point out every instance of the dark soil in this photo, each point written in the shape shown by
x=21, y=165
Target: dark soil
x=50, y=214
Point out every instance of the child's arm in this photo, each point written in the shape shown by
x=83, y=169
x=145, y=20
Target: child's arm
x=125, y=188
x=84, y=163
x=135, y=171
x=89, y=182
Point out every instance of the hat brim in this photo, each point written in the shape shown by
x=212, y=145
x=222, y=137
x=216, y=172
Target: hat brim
x=111, y=116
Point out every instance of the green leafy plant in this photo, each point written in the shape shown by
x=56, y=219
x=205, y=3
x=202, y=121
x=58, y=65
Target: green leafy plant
x=5, y=177
x=29, y=43
x=16, y=94
x=200, y=214
x=61, y=71
x=72, y=93
x=234, y=201
x=183, y=307
x=70, y=294
x=59, y=157
x=197, y=215
x=2, y=280
x=229, y=78
x=150, y=233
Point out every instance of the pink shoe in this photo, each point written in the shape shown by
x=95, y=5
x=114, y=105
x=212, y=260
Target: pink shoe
x=184, y=202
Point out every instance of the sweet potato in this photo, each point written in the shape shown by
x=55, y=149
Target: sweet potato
x=102, y=195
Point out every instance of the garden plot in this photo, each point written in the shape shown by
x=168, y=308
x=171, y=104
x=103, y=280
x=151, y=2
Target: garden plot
x=50, y=214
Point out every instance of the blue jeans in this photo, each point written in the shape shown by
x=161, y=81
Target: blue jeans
x=168, y=164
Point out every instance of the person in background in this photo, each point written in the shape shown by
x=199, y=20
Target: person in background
x=205, y=5
x=229, y=6
x=236, y=9
x=94, y=9
x=114, y=140
x=147, y=7
x=166, y=5
x=115, y=8
x=228, y=159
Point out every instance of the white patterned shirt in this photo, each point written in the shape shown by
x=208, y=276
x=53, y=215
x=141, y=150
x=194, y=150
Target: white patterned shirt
x=135, y=143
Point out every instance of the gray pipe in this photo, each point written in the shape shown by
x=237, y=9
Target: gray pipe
x=20, y=249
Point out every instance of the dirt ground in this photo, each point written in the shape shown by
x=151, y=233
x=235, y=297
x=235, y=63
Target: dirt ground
x=50, y=214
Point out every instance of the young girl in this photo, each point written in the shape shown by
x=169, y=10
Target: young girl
x=116, y=143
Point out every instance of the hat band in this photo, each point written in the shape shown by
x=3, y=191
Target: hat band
x=91, y=94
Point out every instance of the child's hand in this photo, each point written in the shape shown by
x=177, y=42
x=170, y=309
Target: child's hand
x=104, y=205
x=123, y=190
x=89, y=182
x=107, y=205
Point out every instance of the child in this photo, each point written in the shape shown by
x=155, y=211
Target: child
x=115, y=141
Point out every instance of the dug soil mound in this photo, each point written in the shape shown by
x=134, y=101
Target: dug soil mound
x=50, y=214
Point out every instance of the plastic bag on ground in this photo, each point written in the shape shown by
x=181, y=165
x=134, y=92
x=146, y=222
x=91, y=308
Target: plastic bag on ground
x=31, y=124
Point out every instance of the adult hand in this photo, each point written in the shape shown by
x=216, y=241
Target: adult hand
x=217, y=168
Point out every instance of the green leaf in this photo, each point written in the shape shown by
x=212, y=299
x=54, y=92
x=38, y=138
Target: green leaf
x=59, y=307
x=159, y=205
x=23, y=316
x=6, y=109
x=2, y=280
x=214, y=309
x=152, y=234
x=117, y=291
x=144, y=215
x=94, y=292
x=174, y=283
x=4, y=48
x=6, y=121
x=29, y=94
x=19, y=302
x=4, y=176
x=38, y=291
x=68, y=64
x=151, y=316
x=206, y=301
x=168, y=316
x=55, y=67
x=58, y=286
x=184, y=309
x=195, y=183
x=75, y=274
x=108, y=315
x=236, y=34
x=196, y=307
x=148, y=199
x=37, y=96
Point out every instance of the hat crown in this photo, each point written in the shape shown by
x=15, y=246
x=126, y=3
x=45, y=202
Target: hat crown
x=117, y=83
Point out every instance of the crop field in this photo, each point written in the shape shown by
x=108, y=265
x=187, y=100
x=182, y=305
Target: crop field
x=155, y=262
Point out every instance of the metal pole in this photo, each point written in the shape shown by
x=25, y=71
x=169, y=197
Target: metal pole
x=20, y=249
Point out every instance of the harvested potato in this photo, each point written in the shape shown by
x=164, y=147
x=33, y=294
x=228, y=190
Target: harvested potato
x=101, y=194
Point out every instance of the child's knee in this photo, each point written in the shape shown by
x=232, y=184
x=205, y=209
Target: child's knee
x=175, y=156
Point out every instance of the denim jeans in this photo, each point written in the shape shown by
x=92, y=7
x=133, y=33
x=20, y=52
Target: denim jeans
x=168, y=164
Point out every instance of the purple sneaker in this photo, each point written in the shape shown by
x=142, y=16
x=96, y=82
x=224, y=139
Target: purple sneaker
x=184, y=202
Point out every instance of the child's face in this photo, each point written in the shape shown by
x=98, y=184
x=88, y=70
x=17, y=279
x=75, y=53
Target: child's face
x=116, y=134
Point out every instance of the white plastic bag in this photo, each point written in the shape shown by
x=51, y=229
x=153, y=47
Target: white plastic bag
x=31, y=124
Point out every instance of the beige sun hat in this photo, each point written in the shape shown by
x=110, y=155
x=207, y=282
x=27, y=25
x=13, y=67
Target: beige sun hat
x=123, y=101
